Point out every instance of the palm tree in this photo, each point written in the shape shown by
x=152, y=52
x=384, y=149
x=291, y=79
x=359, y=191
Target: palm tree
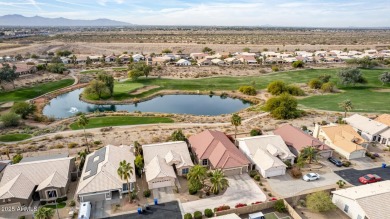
x=197, y=175
x=218, y=181
x=309, y=153
x=82, y=156
x=236, y=121
x=346, y=105
x=125, y=170
x=44, y=213
x=83, y=121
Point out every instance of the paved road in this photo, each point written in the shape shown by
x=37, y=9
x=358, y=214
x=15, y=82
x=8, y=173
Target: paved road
x=352, y=175
x=169, y=210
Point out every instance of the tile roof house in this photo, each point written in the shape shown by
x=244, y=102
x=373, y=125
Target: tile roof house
x=369, y=129
x=267, y=153
x=366, y=201
x=99, y=179
x=163, y=161
x=214, y=150
x=297, y=139
x=45, y=180
x=384, y=118
x=183, y=62
x=343, y=139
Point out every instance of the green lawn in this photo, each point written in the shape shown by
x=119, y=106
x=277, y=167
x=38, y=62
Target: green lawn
x=53, y=206
x=14, y=137
x=31, y=92
x=98, y=122
x=92, y=71
x=120, y=69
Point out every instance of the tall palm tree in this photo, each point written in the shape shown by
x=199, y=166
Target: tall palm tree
x=197, y=175
x=346, y=105
x=44, y=213
x=309, y=154
x=236, y=121
x=218, y=181
x=125, y=170
x=83, y=121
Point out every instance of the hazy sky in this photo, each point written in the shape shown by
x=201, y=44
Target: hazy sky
x=318, y=13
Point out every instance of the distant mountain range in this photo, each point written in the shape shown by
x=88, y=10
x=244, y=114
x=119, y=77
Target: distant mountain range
x=20, y=20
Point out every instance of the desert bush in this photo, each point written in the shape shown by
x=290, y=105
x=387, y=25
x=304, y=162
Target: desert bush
x=248, y=90
x=327, y=87
x=57, y=137
x=296, y=172
x=208, y=212
x=256, y=132
x=279, y=206
x=198, y=215
x=277, y=87
x=319, y=202
x=72, y=203
x=10, y=119
x=275, y=68
x=147, y=193
x=315, y=83
x=188, y=216
x=282, y=107
x=252, y=173
x=298, y=64
x=72, y=145
x=295, y=90
x=257, y=177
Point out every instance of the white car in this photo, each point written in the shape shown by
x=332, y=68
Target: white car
x=311, y=177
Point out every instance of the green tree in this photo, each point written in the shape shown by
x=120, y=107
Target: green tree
x=63, y=53
x=319, y=202
x=207, y=50
x=10, y=119
x=196, y=176
x=17, y=158
x=83, y=121
x=309, y=154
x=108, y=81
x=283, y=107
x=352, y=76
x=74, y=59
x=298, y=64
x=279, y=206
x=44, y=213
x=385, y=78
x=97, y=87
x=56, y=68
x=138, y=148
x=347, y=106
x=236, y=121
x=178, y=135
x=166, y=51
x=277, y=87
x=139, y=163
x=82, y=155
x=315, y=83
x=125, y=170
x=218, y=181
x=23, y=109
x=8, y=74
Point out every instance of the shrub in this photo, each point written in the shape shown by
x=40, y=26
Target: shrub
x=270, y=194
x=10, y=119
x=302, y=203
x=347, y=163
x=192, y=190
x=319, y=202
x=57, y=137
x=23, y=109
x=340, y=183
x=147, y=193
x=295, y=90
x=256, y=132
x=315, y=83
x=62, y=199
x=188, y=216
x=264, y=189
x=72, y=145
x=275, y=68
x=17, y=158
x=327, y=87
x=252, y=173
x=296, y=172
x=304, y=128
x=260, y=184
x=221, y=208
x=72, y=203
x=288, y=164
x=298, y=64
x=258, y=202
x=283, y=107
x=240, y=205
x=208, y=212
x=198, y=215
x=97, y=142
x=248, y=90
x=257, y=177
x=279, y=206
x=277, y=87
x=324, y=78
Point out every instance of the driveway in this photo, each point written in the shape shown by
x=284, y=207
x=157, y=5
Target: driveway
x=286, y=186
x=242, y=189
x=164, y=194
x=170, y=210
x=352, y=175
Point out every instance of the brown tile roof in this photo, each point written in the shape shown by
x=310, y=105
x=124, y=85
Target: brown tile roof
x=384, y=118
x=344, y=137
x=299, y=139
x=218, y=149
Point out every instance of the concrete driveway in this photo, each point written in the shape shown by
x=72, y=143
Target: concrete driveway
x=352, y=175
x=164, y=194
x=242, y=189
x=286, y=186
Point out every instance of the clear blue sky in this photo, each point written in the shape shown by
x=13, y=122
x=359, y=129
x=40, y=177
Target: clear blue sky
x=319, y=13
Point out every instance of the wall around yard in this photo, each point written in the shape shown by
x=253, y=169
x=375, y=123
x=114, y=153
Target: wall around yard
x=247, y=209
x=294, y=214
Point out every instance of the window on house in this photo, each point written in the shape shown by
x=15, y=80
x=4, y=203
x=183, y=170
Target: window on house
x=125, y=187
x=52, y=194
x=184, y=171
x=205, y=162
x=346, y=207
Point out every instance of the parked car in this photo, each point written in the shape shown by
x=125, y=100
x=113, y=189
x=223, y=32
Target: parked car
x=311, y=177
x=335, y=161
x=369, y=178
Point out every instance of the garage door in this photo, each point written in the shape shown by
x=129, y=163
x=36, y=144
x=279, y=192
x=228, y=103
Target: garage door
x=275, y=172
x=232, y=172
x=325, y=154
x=94, y=197
x=161, y=183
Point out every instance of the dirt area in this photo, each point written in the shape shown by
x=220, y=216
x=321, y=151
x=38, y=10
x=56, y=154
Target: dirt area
x=307, y=214
x=382, y=90
x=143, y=89
x=33, y=79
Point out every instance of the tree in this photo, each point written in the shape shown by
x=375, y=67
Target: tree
x=63, y=53
x=196, y=176
x=139, y=69
x=236, y=121
x=83, y=121
x=277, y=87
x=315, y=83
x=327, y=87
x=88, y=62
x=255, y=132
x=218, y=181
x=23, y=109
x=8, y=74
x=74, y=60
x=97, y=87
x=385, y=78
x=351, y=76
x=309, y=154
x=207, y=50
x=82, y=155
x=44, y=213
x=248, y=90
x=17, y=158
x=56, y=68
x=298, y=64
x=125, y=170
x=135, y=74
x=347, y=106
x=10, y=119
x=139, y=163
x=279, y=206
x=178, y=135
x=282, y=107
x=138, y=148
x=324, y=78
x=108, y=81
x=166, y=51
x=319, y=202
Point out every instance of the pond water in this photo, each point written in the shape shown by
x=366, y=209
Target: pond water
x=69, y=104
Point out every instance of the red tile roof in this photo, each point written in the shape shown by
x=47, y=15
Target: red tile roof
x=299, y=139
x=218, y=149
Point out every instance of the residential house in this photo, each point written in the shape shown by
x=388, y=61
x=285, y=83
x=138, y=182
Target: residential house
x=250, y=60
x=197, y=56
x=214, y=150
x=124, y=58
x=3, y=165
x=343, y=139
x=95, y=58
x=99, y=179
x=296, y=139
x=267, y=154
x=217, y=62
x=38, y=179
x=368, y=201
x=204, y=62
x=110, y=58
x=183, y=62
x=163, y=161
x=138, y=57
x=232, y=61
x=385, y=135
x=371, y=130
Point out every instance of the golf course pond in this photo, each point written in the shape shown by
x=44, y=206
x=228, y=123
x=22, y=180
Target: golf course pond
x=68, y=104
